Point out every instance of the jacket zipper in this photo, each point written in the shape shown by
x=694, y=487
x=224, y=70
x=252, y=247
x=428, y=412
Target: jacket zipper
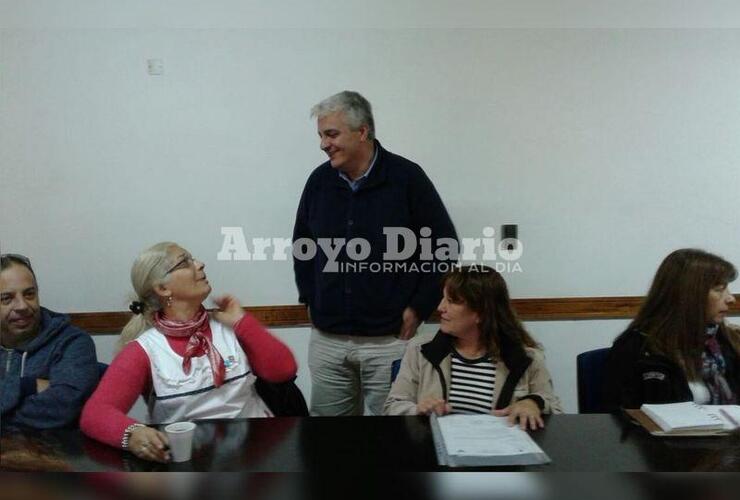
x=8, y=352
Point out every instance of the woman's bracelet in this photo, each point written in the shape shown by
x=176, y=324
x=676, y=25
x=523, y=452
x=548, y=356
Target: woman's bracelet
x=127, y=434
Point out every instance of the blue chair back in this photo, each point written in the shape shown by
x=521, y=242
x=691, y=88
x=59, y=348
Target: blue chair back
x=101, y=369
x=395, y=368
x=590, y=371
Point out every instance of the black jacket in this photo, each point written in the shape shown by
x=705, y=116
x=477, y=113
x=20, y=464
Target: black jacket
x=634, y=375
x=284, y=399
x=396, y=193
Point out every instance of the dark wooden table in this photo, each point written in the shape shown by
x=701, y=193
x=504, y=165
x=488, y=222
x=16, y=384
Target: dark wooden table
x=575, y=443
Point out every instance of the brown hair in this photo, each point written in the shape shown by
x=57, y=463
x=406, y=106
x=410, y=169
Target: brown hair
x=484, y=291
x=674, y=313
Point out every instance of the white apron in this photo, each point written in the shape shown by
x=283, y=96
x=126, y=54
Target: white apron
x=177, y=396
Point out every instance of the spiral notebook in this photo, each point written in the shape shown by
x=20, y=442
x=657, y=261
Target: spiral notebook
x=687, y=419
x=483, y=440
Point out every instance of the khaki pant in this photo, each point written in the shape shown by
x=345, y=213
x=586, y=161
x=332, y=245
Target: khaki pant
x=350, y=372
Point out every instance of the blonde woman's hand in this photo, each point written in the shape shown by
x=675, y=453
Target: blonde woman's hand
x=526, y=411
x=229, y=310
x=149, y=444
x=433, y=405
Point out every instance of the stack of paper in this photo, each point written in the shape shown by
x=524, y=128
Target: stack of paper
x=682, y=417
x=731, y=415
x=483, y=440
x=687, y=418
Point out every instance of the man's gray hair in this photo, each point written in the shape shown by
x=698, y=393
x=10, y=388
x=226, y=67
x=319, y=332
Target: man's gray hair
x=357, y=110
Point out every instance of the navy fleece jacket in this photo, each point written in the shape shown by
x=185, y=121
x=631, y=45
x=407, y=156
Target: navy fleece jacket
x=62, y=354
x=396, y=193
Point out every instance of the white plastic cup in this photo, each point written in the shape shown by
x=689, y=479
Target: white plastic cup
x=180, y=435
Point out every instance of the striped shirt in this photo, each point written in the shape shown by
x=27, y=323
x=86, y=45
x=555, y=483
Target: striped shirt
x=471, y=384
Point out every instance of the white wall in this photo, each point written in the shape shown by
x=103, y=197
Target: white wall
x=360, y=14
x=609, y=146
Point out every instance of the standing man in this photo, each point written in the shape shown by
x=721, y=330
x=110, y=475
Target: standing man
x=363, y=304
x=48, y=367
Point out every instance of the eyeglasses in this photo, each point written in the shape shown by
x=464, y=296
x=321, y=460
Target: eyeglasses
x=7, y=258
x=186, y=262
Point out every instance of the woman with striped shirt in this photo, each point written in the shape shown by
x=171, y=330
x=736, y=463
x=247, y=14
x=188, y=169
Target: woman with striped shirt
x=481, y=360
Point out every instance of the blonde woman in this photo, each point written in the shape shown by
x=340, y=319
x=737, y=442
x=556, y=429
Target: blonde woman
x=186, y=364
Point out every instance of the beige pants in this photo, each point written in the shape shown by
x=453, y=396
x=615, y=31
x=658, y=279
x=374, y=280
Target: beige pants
x=350, y=373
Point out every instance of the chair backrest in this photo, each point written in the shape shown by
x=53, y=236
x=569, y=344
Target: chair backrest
x=395, y=368
x=284, y=399
x=590, y=371
x=102, y=367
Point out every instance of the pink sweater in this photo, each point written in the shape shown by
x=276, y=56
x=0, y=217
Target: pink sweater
x=129, y=375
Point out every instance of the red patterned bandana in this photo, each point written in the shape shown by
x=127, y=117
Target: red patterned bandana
x=197, y=344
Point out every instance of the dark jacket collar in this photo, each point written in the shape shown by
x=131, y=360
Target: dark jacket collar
x=516, y=360
x=380, y=170
x=438, y=348
x=50, y=325
x=377, y=176
x=512, y=353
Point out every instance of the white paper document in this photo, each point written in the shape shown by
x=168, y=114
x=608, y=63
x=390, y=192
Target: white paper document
x=690, y=418
x=731, y=415
x=728, y=414
x=483, y=440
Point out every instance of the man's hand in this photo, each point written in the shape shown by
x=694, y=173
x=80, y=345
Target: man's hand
x=410, y=322
x=230, y=310
x=431, y=405
x=41, y=385
x=526, y=411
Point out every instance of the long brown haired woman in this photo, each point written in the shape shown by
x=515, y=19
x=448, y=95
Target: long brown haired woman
x=482, y=360
x=679, y=348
